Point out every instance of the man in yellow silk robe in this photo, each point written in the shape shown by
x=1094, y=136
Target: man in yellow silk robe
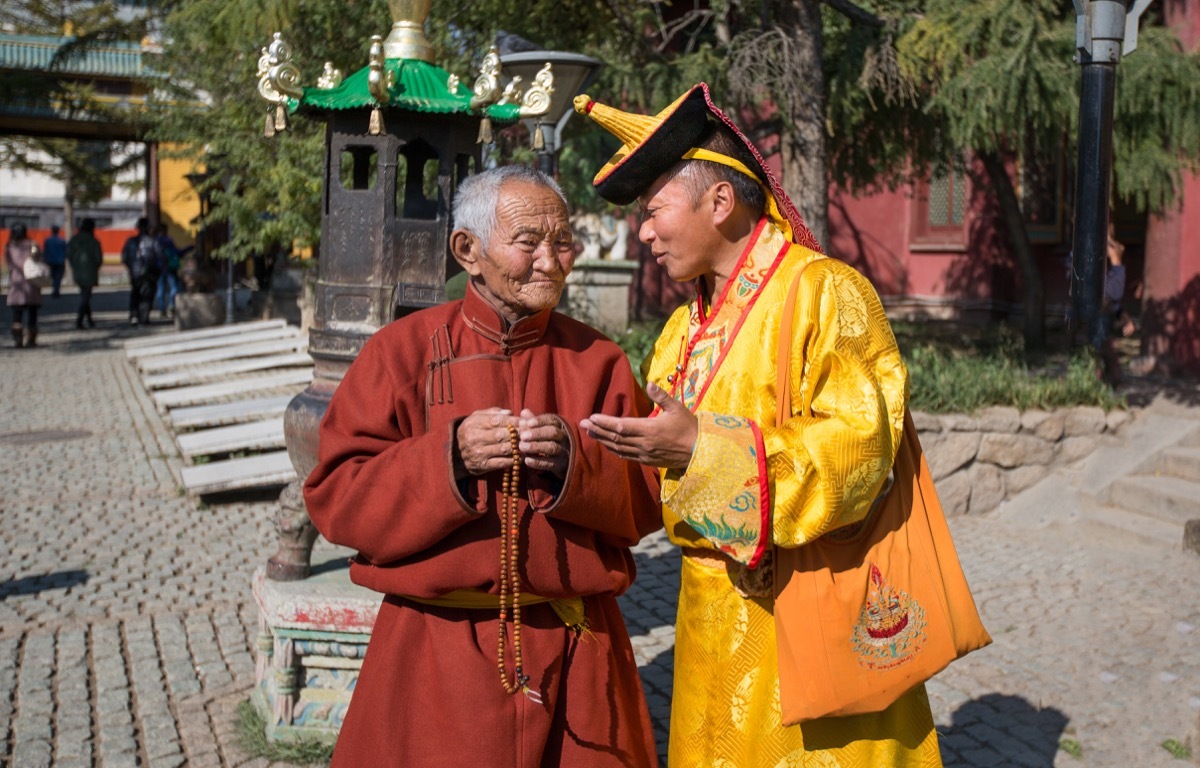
x=735, y=483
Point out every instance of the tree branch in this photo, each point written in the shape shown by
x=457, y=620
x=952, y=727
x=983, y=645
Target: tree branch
x=856, y=13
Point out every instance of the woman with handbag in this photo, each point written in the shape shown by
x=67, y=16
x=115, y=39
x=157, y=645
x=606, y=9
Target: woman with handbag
x=781, y=409
x=24, y=296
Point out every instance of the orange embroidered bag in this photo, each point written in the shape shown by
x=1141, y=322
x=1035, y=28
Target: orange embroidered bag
x=867, y=612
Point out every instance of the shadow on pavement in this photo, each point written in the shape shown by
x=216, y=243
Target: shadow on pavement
x=241, y=496
x=56, y=322
x=1141, y=391
x=32, y=585
x=1030, y=736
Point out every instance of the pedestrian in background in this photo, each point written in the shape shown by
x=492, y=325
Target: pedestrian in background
x=85, y=255
x=1112, y=313
x=54, y=252
x=143, y=261
x=24, y=298
x=168, y=281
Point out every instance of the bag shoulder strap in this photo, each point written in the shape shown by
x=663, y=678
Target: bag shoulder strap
x=783, y=358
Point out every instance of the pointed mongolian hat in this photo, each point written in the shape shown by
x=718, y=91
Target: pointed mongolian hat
x=652, y=144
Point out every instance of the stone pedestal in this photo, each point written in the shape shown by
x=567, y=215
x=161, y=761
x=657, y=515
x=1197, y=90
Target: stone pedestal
x=199, y=310
x=597, y=293
x=312, y=637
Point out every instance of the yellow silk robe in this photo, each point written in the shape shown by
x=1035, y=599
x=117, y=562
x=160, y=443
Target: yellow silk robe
x=752, y=484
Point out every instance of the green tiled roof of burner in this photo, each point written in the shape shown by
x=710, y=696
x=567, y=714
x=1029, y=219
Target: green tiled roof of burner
x=417, y=87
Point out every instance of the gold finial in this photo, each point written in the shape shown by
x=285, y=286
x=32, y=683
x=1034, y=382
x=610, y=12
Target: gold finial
x=407, y=38
x=536, y=101
x=487, y=85
x=380, y=79
x=278, y=80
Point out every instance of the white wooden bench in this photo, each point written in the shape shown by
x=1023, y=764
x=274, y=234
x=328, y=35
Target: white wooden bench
x=263, y=470
x=199, y=374
x=252, y=436
x=207, y=393
x=211, y=342
x=216, y=414
x=230, y=352
x=159, y=339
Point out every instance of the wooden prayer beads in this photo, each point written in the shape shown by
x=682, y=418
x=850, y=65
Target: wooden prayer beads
x=510, y=580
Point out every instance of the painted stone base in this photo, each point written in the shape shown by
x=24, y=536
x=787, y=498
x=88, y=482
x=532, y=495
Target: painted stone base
x=312, y=636
x=597, y=293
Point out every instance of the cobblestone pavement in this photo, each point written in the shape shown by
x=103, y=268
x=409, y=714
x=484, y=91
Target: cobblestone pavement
x=126, y=620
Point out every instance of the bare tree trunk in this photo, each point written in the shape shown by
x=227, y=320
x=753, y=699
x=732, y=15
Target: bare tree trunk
x=68, y=215
x=69, y=195
x=802, y=150
x=1031, y=278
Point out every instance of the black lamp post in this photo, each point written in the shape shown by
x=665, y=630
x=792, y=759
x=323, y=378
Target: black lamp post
x=1104, y=31
x=573, y=72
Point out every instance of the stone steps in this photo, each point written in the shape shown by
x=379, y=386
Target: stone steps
x=1108, y=521
x=1170, y=499
x=1182, y=462
x=1156, y=499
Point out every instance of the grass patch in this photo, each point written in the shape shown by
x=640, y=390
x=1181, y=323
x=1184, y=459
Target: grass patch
x=1178, y=749
x=1070, y=746
x=961, y=381
x=959, y=369
x=252, y=739
x=638, y=340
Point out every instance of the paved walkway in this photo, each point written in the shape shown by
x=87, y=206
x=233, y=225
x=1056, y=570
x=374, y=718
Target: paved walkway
x=126, y=621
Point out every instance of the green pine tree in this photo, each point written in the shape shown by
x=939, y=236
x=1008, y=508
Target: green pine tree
x=997, y=80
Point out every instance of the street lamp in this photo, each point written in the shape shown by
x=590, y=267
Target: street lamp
x=573, y=72
x=1104, y=31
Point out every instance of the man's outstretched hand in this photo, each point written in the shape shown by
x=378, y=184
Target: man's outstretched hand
x=666, y=440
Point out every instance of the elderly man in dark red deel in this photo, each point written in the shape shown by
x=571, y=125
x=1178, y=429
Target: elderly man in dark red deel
x=496, y=644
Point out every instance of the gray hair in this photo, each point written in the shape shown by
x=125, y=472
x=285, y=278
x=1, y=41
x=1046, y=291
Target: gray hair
x=476, y=199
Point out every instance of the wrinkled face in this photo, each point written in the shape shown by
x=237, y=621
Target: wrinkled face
x=679, y=233
x=530, y=254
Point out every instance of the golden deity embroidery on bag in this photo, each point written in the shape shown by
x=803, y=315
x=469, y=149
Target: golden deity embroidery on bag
x=891, y=627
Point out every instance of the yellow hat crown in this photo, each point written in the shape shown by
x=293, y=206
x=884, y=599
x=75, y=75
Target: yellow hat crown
x=632, y=129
